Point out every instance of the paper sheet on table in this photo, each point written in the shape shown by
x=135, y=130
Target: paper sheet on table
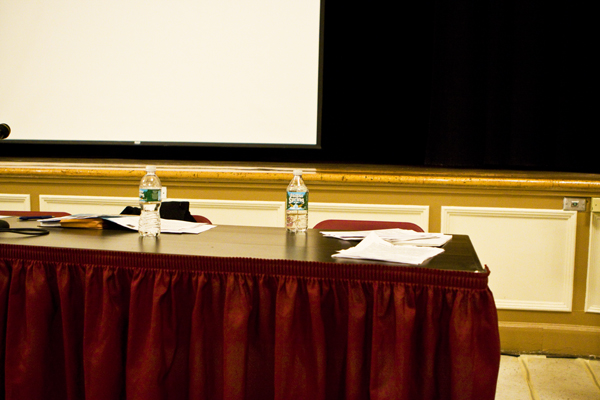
x=395, y=236
x=166, y=225
x=375, y=248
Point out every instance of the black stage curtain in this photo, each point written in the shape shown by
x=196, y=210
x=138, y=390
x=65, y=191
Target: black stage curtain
x=462, y=83
x=508, y=86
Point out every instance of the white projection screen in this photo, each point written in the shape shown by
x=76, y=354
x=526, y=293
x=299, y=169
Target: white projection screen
x=155, y=71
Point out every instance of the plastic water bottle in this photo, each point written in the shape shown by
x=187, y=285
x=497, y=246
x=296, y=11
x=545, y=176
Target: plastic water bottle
x=150, y=200
x=296, y=209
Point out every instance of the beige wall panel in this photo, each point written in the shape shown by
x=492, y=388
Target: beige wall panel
x=245, y=212
x=271, y=213
x=86, y=204
x=235, y=212
x=372, y=212
x=15, y=202
x=531, y=253
x=223, y=212
x=592, y=299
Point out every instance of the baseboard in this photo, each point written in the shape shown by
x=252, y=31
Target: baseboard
x=555, y=339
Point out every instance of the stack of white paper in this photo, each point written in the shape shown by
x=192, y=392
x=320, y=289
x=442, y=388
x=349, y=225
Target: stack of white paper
x=375, y=248
x=395, y=236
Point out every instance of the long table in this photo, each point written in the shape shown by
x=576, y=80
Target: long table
x=239, y=313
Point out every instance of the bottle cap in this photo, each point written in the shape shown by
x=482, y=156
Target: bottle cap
x=150, y=168
x=297, y=172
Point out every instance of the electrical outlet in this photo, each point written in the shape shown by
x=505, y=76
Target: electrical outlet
x=163, y=193
x=574, y=204
x=596, y=204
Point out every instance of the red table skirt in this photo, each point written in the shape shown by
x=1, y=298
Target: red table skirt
x=96, y=325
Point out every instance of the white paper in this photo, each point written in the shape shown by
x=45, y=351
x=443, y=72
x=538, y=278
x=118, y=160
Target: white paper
x=395, y=236
x=166, y=225
x=374, y=247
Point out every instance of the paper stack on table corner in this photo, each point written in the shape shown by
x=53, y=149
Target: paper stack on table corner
x=373, y=247
x=394, y=245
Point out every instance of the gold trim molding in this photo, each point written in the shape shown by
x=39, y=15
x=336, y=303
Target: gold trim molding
x=327, y=174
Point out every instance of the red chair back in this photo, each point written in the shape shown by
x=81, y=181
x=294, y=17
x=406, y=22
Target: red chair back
x=200, y=218
x=357, y=225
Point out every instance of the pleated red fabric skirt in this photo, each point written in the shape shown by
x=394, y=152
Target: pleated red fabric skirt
x=98, y=325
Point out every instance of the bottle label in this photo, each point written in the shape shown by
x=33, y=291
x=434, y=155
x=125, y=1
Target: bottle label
x=297, y=201
x=148, y=195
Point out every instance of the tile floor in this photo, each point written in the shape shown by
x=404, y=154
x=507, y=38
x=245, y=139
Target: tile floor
x=532, y=377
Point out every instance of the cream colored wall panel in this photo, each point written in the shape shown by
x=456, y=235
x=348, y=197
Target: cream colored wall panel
x=15, y=202
x=223, y=212
x=86, y=204
x=530, y=252
x=372, y=212
x=592, y=298
x=240, y=212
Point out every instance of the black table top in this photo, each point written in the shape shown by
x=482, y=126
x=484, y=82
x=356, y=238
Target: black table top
x=232, y=241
